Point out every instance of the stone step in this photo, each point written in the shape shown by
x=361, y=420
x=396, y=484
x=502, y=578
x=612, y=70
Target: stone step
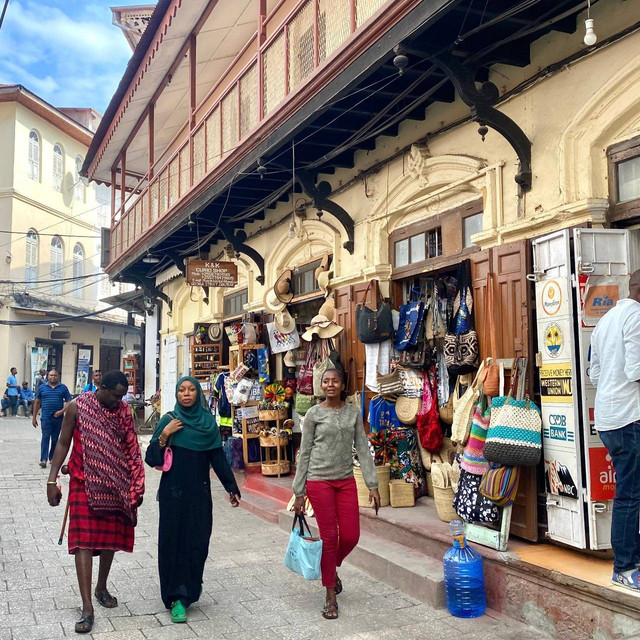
x=261, y=506
x=274, y=488
x=402, y=567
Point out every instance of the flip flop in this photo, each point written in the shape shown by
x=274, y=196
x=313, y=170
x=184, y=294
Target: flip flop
x=84, y=625
x=330, y=611
x=106, y=599
x=338, y=586
x=178, y=612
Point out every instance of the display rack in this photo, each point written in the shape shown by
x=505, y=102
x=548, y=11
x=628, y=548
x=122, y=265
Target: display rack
x=245, y=435
x=237, y=351
x=205, y=361
x=280, y=465
x=130, y=367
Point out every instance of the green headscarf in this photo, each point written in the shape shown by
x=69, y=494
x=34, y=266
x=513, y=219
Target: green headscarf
x=200, y=431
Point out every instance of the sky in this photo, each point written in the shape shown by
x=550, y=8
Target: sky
x=65, y=51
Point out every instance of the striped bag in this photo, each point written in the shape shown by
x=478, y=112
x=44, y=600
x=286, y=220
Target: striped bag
x=473, y=460
x=500, y=484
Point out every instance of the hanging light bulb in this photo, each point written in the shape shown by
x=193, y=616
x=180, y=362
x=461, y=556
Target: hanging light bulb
x=590, y=37
x=293, y=229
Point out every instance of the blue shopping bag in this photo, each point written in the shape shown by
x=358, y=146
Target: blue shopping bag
x=304, y=552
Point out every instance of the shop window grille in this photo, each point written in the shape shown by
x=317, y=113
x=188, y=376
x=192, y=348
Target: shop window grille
x=434, y=243
x=173, y=181
x=274, y=79
x=365, y=9
x=234, y=303
x=230, y=120
x=163, y=182
x=300, y=31
x=184, y=170
x=212, y=124
x=154, y=201
x=334, y=25
x=418, y=247
x=249, y=101
x=304, y=279
x=198, y=155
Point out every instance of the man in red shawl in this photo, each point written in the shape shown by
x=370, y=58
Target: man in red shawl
x=106, y=487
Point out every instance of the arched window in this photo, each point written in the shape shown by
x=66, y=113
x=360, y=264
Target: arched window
x=78, y=189
x=57, y=265
x=31, y=261
x=58, y=167
x=78, y=270
x=33, y=167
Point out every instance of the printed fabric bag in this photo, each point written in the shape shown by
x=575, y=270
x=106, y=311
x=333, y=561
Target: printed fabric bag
x=428, y=422
x=304, y=552
x=470, y=504
x=390, y=384
x=411, y=315
x=500, y=484
x=514, y=436
x=281, y=342
x=305, y=374
x=373, y=326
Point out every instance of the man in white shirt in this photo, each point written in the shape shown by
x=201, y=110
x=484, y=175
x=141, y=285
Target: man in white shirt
x=615, y=372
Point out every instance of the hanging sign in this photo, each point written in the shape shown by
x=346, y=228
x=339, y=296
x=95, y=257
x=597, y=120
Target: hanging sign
x=211, y=273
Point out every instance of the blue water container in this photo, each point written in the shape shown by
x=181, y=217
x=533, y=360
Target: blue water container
x=463, y=577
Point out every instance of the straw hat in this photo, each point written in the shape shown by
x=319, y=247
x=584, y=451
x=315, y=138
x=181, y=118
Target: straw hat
x=328, y=309
x=284, y=322
x=282, y=287
x=322, y=327
x=323, y=266
x=289, y=360
x=324, y=280
x=272, y=303
x=215, y=332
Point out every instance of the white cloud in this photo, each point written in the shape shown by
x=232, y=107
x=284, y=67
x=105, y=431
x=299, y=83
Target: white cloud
x=69, y=60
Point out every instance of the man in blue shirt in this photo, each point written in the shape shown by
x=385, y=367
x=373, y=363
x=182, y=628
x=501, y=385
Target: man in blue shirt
x=26, y=398
x=13, y=393
x=52, y=398
x=95, y=381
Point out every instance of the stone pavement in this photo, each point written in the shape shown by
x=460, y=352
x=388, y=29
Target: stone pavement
x=248, y=593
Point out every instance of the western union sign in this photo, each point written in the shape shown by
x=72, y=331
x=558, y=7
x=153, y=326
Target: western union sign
x=556, y=382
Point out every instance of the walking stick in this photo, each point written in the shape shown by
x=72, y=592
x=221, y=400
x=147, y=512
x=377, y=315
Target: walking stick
x=65, y=471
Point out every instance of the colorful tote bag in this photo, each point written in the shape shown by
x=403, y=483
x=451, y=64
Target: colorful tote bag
x=500, y=484
x=304, y=552
x=473, y=460
x=470, y=504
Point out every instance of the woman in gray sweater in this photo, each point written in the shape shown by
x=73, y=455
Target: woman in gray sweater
x=325, y=474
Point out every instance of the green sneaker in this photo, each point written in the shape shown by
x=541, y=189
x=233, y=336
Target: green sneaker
x=178, y=612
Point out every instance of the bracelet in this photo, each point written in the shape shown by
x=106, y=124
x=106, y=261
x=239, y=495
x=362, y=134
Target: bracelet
x=52, y=482
x=161, y=442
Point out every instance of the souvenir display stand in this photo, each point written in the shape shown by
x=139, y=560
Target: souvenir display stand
x=245, y=435
x=271, y=446
x=237, y=351
x=205, y=362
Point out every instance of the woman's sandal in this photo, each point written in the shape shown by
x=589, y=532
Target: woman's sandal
x=178, y=612
x=84, y=625
x=338, y=586
x=106, y=599
x=330, y=611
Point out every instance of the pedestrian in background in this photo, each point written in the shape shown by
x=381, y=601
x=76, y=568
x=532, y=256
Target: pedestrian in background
x=186, y=508
x=26, y=398
x=13, y=393
x=52, y=397
x=106, y=487
x=325, y=472
x=615, y=372
x=94, y=381
x=41, y=378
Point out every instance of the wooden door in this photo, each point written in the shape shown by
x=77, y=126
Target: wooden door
x=509, y=265
x=348, y=345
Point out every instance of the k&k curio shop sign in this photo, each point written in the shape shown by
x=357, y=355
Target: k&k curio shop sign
x=211, y=273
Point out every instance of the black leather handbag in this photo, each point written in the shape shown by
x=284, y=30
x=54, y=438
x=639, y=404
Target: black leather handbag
x=373, y=326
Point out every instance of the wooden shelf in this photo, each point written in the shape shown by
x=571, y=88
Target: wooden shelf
x=245, y=435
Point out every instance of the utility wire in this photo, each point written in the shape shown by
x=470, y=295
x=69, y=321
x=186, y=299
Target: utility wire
x=4, y=10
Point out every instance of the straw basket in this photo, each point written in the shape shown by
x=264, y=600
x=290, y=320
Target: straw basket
x=429, y=484
x=444, y=504
x=402, y=493
x=384, y=473
x=275, y=468
x=274, y=441
x=272, y=414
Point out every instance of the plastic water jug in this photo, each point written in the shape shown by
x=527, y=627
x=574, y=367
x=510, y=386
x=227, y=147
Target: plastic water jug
x=463, y=577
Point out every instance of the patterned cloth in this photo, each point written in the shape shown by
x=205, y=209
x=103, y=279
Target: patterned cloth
x=112, y=464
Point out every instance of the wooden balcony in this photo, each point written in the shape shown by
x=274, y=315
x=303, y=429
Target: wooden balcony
x=292, y=45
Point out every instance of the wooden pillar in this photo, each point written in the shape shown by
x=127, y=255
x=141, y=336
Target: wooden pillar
x=192, y=101
x=113, y=194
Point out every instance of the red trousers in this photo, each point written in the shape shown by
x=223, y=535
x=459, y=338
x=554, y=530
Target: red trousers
x=335, y=506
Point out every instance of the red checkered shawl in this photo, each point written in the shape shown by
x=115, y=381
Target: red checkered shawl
x=113, y=471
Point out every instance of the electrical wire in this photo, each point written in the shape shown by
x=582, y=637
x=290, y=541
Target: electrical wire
x=4, y=10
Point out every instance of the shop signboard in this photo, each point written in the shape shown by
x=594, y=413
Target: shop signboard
x=83, y=365
x=558, y=372
x=38, y=357
x=603, y=266
x=211, y=273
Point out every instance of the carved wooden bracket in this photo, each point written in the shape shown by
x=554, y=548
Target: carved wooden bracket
x=237, y=241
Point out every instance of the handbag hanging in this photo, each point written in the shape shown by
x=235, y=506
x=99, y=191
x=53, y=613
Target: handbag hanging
x=470, y=504
x=411, y=315
x=305, y=375
x=322, y=364
x=490, y=379
x=473, y=460
x=500, y=484
x=373, y=326
x=428, y=421
x=463, y=409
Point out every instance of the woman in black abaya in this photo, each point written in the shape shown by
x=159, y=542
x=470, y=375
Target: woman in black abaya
x=186, y=516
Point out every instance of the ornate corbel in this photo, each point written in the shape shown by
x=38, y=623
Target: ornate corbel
x=483, y=112
x=319, y=195
x=237, y=241
x=149, y=288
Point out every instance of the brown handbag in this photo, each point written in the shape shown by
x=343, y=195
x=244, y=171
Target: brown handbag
x=490, y=378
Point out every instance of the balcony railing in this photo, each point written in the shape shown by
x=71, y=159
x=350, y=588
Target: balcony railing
x=304, y=40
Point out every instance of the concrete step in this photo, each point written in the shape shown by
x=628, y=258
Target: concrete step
x=261, y=506
x=402, y=567
x=274, y=488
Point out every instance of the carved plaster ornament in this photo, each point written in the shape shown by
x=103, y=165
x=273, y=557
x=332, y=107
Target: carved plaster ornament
x=417, y=163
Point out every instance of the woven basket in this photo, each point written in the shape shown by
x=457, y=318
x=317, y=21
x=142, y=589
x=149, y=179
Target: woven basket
x=272, y=414
x=429, y=484
x=444, y=504
x=273, y=468
x=274, y=441
x=402, y=493
x=384, y=473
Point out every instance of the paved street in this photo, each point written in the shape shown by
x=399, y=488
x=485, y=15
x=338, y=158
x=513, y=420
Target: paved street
x=248, y=593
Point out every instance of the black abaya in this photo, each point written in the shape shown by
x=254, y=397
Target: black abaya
x=186, y=520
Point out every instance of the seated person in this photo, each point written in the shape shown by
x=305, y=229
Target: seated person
x=26, y=398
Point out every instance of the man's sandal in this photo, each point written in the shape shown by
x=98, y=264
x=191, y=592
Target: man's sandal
x=106, y=599
x=84, y=625
x=330, y=611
